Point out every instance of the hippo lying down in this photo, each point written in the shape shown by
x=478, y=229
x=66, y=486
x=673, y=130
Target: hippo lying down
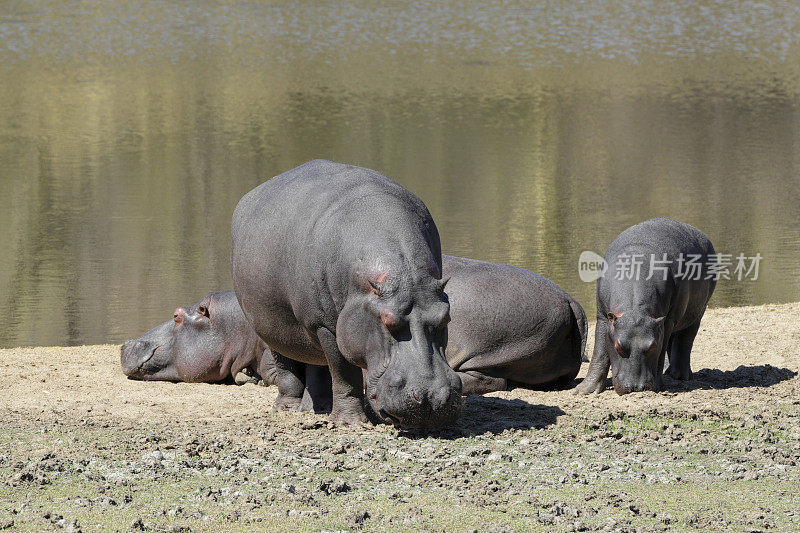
x=211, y=342
x=510, y=328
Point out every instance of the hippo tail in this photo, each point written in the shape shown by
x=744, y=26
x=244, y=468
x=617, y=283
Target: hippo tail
x=580, y=327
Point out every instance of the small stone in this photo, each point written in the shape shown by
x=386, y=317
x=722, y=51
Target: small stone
x=334, y=486
x=155, y=456
x=358, y=516
x=246, y=376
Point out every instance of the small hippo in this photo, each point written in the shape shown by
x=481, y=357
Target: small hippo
x=339, y=265
x=511, y=327
x=212, y=342
x=642, y=316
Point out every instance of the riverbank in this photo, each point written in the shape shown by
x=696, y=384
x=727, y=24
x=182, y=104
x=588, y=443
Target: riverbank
x=83, y=447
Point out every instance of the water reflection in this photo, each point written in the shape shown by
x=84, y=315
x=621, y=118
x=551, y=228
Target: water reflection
x=128, y=132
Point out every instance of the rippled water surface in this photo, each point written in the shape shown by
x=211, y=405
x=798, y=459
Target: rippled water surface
x=129, y=130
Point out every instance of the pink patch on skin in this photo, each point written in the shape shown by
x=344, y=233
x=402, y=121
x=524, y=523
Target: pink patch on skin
x=388, y=319
x=179, y=315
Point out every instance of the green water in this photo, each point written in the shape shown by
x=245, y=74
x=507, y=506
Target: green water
x=129, y=130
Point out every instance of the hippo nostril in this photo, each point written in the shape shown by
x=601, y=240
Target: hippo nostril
x=414, y=394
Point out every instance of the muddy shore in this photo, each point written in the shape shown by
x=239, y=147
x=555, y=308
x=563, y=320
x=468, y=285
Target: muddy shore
x=82, y=447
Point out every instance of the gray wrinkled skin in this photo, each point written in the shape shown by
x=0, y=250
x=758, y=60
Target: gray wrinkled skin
x=511, y=327
x=640, y=321
x=212, y=342
x=339, y=265
x=207, y=342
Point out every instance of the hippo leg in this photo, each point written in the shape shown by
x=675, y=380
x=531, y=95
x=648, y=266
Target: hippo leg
x=680, y=348
x=266, y=369
x=346, y=381
x=595, y=380
x=289, y=377
x=474, y=382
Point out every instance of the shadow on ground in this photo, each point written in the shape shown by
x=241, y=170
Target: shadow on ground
x=740, y=378
x=494, y=415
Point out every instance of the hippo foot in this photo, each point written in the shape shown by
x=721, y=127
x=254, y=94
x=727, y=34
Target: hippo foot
x=349, y=417
x=473, y=382
x=589, y=386
x=287, y=403
x=245, y=377
x=681, y=374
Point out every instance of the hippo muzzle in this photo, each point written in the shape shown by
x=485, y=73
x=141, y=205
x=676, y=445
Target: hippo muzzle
x=150, y=357
x=416, y=396
x=628, y=376
x=134, y=355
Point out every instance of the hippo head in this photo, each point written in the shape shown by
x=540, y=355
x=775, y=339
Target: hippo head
x=394, y=325
x=637, y=339
x=206, y=342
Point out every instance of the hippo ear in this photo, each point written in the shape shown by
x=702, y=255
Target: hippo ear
x=376, y=282
x=443, y=282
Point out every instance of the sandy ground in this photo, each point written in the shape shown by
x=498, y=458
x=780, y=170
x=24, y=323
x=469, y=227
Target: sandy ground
x=83, y=447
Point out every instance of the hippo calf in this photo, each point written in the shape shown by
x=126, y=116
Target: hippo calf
x=647, y=311
x=510, y=327
x=212, y=342
x=341, y=266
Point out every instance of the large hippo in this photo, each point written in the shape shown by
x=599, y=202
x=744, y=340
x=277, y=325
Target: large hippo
x=340, y=265
x=645, y=312
x=511, y=327
x=212, y=342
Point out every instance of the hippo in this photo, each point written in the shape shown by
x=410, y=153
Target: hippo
x=510, y=327
x=212, y=342
x=643, y=316
x=339, y=265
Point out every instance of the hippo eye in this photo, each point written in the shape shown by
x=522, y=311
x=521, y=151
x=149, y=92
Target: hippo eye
x=202, y=310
